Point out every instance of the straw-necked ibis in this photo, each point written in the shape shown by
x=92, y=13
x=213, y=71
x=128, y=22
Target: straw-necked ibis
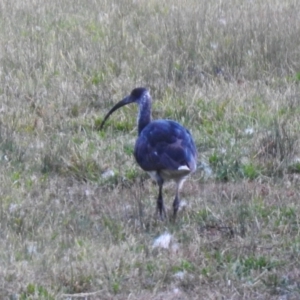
x=164, y=148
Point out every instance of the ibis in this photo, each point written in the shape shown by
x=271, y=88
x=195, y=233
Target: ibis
x=164, y=148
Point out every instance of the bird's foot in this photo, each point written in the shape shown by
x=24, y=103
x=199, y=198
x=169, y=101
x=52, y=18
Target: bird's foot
x=161, y=208
x=176, y=206
x=161, y=212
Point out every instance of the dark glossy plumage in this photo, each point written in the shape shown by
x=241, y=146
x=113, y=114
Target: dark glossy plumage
x=165, y=144
x=164, y=148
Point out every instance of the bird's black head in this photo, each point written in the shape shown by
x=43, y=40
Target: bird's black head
x=137, y=93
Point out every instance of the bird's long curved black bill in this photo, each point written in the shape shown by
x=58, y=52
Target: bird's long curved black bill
x=123, y=102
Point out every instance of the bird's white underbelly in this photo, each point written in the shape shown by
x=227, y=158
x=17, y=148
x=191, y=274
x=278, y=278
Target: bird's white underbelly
x=178, y=176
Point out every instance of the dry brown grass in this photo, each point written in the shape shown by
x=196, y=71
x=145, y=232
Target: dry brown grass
x=228, y=71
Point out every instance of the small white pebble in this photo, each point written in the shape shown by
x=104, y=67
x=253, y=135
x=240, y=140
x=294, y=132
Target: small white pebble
x=163, y=241
x=127, y=207
x=179, y=275
x=223, y=151
x=182, y=204
x=222, y=21
x=108, y=173
x=56, y=201
x=249, y=130
x=208, y=172
x=32, y=249
x=33, y=178
x=13, y=207
x=214, y=45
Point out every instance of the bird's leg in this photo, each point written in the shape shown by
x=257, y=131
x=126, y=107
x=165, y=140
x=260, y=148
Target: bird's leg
x=160, y=201
x=176, y=200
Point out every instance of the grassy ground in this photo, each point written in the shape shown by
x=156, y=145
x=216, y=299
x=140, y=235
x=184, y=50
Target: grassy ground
x=229, y=71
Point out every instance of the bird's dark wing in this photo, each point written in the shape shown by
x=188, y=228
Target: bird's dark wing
x=165, y=145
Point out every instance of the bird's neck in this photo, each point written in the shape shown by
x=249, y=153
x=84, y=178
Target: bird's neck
x=144, y=117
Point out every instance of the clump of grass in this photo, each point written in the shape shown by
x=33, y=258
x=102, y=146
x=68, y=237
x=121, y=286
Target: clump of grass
x=225, y=167
x=251, y=263
x=276, y=149
x=250, y=171
x=33, y=291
